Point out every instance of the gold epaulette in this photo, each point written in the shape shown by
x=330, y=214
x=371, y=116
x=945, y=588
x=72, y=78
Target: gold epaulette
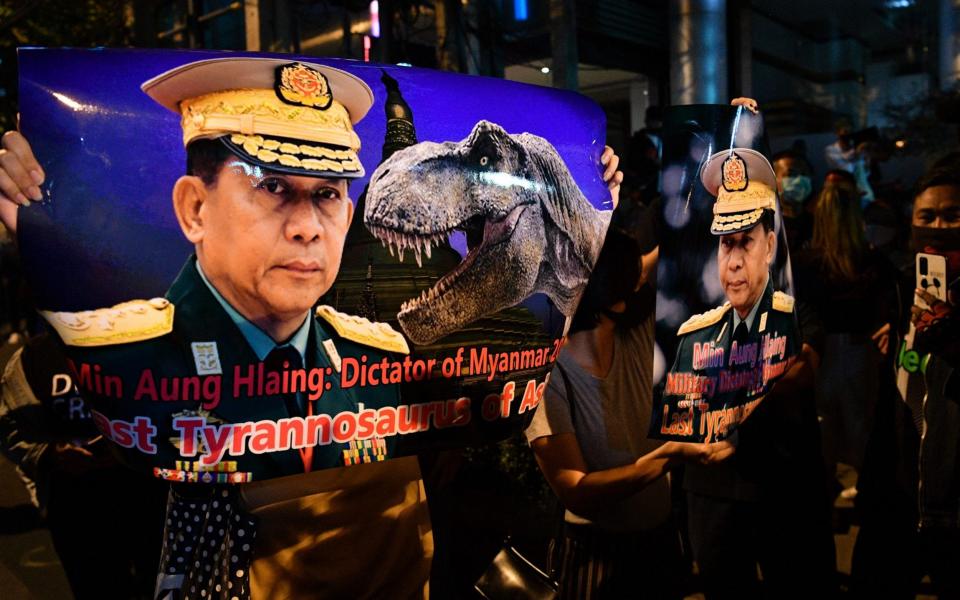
x=132, y=321
x=704, y=319
x=363, y=331
x=782, y=302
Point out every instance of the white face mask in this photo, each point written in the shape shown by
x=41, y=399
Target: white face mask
x=796, y=189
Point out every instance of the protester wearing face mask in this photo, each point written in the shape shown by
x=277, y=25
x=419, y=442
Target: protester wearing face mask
x=910, y=488
x=796, y=188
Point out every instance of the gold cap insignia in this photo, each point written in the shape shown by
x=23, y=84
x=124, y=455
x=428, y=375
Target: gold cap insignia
x=300, y=85
x=735, y=176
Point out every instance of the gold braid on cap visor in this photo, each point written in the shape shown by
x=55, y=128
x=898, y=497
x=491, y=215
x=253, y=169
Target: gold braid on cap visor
x=251, y=114
x=735, y=222
x=734, y=211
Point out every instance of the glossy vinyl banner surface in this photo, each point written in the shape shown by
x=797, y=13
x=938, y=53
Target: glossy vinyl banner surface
x=726, y=324
x=476, y=213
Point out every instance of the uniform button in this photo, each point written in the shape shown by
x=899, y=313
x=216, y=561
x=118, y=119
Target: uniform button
x=159, y=303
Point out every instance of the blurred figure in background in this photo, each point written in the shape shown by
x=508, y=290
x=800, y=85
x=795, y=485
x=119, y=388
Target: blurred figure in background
x=795, y=185
x=852, y=288
x=850, y=154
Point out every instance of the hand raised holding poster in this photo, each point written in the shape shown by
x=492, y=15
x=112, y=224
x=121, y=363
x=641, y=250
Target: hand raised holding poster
x=235, y=373
x=723, y=206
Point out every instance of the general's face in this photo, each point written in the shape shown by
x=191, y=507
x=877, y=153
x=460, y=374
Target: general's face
x=272, y=242
x=743, y=260
x=937, y=206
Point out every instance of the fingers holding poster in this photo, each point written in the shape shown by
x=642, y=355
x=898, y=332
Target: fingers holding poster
x=237, y=372
x=725, y=359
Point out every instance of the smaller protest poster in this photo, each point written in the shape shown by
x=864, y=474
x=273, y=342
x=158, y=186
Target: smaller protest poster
x=726, y=324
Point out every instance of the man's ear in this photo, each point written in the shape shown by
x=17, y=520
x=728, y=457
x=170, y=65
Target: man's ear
x=189, y=194
x=771, y=246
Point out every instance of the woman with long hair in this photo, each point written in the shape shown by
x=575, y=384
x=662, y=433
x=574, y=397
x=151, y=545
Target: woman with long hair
x=590, y=439
x=852, y=287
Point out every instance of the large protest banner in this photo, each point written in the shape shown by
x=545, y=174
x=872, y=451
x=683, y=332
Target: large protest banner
x=438, y=283
x=726, y=325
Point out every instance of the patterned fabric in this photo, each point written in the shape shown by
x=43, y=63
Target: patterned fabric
x=207, y=546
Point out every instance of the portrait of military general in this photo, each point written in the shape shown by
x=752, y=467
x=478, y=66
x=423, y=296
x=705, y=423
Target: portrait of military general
x=231, y=363
x=729, y=357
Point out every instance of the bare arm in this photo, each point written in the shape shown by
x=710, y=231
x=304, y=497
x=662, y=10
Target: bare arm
x=585, y=493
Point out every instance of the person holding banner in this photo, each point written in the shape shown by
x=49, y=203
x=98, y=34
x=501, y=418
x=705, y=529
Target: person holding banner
x=589, y=436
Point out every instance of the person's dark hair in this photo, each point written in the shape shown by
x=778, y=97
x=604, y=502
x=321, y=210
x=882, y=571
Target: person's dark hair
x=613, y=279
x=838, y=229
x=950, y=160
x=204, y=159
x=792, y=154
x=767, y=220
x=839, y=176
x=938, y=176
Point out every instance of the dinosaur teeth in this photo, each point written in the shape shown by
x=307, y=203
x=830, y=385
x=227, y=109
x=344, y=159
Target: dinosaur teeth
x=427, y=246
x=390, y=246
x=416, y=252
x=400, y=250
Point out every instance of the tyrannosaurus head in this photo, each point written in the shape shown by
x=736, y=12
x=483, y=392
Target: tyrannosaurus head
x=485, y=186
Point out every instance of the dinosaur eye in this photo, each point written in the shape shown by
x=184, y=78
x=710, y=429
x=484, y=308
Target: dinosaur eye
x=483, y=161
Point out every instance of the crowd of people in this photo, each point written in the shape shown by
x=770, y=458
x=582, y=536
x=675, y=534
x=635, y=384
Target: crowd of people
x=874, y=388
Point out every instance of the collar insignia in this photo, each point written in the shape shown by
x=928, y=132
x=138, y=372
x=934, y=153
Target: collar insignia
x=206, y=358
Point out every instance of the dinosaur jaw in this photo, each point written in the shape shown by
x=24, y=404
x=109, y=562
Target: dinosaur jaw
x=444, y=308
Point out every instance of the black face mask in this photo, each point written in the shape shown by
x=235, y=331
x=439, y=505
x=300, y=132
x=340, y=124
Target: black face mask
x=939, y=238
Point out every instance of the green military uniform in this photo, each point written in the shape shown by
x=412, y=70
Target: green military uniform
x=708, y=348
x=195, y=318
